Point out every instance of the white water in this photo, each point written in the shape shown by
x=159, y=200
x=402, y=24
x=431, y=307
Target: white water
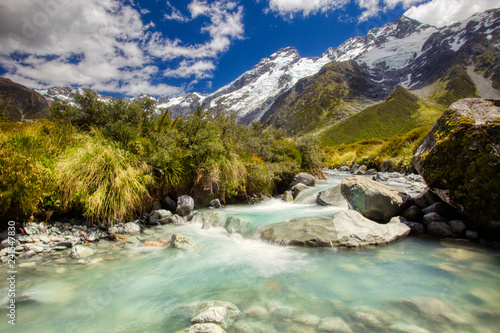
x=153, y=289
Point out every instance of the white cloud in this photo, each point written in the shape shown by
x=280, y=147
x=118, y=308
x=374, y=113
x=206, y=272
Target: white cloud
x=445, y=12
x=176, y=14
x=104, y=45
x=288, y=8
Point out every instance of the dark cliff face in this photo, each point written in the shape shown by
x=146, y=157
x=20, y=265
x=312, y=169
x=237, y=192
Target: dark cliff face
x=17, y=102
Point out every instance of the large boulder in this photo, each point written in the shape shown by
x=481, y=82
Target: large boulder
x=348, y=228
x=304, y=178
x=185, y=205
x=459, y=159
x=375, y=201
x=332, y=197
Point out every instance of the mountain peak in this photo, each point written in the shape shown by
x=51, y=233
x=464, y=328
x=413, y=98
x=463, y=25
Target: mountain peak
x=286, y=52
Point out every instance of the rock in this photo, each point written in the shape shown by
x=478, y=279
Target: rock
x=132, y=242
x=185, y=205
x=303, y=178
x=153, y=243
x=334, y=324
x=195, y=217
x=367, y=320
x=247, y=326
x=371, y=172
x=180, y=241
x=287, y=196
x=434, y=311
x=344, y=168
x=297, y=189
x=156, y=206
x=473, y=236
x=79, y=251
x=375, y=201
x=413, y=213
x=175, y=219
x=44, y=238
x=354, y=168
x=361, y=170
x=204, y=328
x=119, y=237
x=407, y=328
x=235, y=224
x=440, y=229
x=130, y=228
x=433, y=217
x=440, y=207
x=159, y=216
x=215, y=203
x=416, y=228
x=257, y=312
x=169, y=203
x=308, y=320
x=459, y=160
x=332, y=197
x=381, y=176
x=457, y=227
x=426, y=198
x=214, y=314
x=348, y=228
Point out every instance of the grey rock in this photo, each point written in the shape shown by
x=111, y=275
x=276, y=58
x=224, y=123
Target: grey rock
x=175, y=219
x=344, y=168
x=204, y=328
x=79, y=251
x=44, y=238
x=64, y=244
x=375, y=201
x=361, y=170
x=371, y=172
x=30, y=253
x=367, y=321
x=354, y=168
x=130, y=228
x=381, y=176
x=348, y=228
x=297, y=189
x=34, y=247
x=195, y=217
x=288, y=196
x=407, y=328
x=457, y=227
x=426, y=198
x=441, y=208
x=433, y=217
x=303, y=178
x=257, y=312
x=235, y=224
x=413, y=213
x=215, y=314
x=156, y=206
x=180, y=241
x=434, y=311
x=333, y=324
x=185, y=205
x=472, y=235
x=332, y=197
x=170, y=204
x=160, y=216
x=440, y=229
x=215, y=203
x=416, y=228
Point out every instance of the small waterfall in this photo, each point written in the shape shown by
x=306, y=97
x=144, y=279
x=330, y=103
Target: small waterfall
x=307, y=197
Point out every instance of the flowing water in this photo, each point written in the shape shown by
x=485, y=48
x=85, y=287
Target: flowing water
x=413, y=285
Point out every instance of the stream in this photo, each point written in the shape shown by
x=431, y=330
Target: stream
x=417, y=284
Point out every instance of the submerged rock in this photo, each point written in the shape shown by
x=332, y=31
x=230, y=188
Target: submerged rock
x=204, y=328
x=375, y=201
x=334, y=324
x=348, y=228
x=235, y=224
x=180, y=241
x=79, y=251
x=216, y=312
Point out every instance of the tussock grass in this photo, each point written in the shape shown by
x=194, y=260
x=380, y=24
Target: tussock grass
x=108, y=182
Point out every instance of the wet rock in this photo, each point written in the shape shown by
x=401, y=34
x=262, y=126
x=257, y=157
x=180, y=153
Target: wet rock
x=413, y=213
x=287, y=196
x=297, y=189
x=416, y=228
x=159, y=216
x=344, y=168
x=457, y=227
x=247, y=326
x=375, y=201
x=371, y=172
x=235, y=224
x=440, y=229
x=180, y=241
x=195, y=217
x=175, y=219
x=216, y=312
x=367, y=321
x=153, y=243
x=440, y=207
x=156, y=205
x=131, y=228
x=303, y=178
x=34, y=247
x=204, y=328
x=119, y=237
x=257, y=312
x=332, y=197
x=432, y=217
x=308, y=320
x=185, y=205
x=434, y=310
x=348, y=228
x=79, y=251
x=426, y=198
x=334, y=324
x=215, y=203
x=64, y=244
x=132, y=242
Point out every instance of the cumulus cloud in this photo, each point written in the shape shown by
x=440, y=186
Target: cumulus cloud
x=288, y=8
x=104, y=45
x=445, y=12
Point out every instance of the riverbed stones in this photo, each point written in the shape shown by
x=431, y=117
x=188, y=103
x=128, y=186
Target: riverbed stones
x=130, y=228
x=459, y=160
x=159, y=216
x=179, y=241
x=185, y=205
x=332, y=197
x=204, y=328
x=375, y=201
x=333, y=324
x=348, y=228
x=216, y=312
x=303, y=178
x=79, y=252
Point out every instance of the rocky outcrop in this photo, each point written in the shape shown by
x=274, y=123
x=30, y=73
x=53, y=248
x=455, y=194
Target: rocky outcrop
x=375, y=201
x=459, y=160
x=348, y=228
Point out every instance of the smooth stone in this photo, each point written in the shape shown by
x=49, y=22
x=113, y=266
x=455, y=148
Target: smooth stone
x=407, y=328
x=152, y=243
x=426, y=198
x=204, y=328
x=416, y=228
x=27, y=264
x=180, y=241
x=159, y=216
x=472, y=235
x=44, y=238
x=257, y=312
x=176, y=219
x=439, y=207
x=367, y=320
x=297, y=189
x=287, y=196
x=34, y=247
x=79, y=251
x=334, y=324
x=434, y=310
x=332, y=197
x=195, y=217
x=433, y=217
x=457, y=227
x=303, y=178
x=413, y=213
x=440, y=229
x=308, y=320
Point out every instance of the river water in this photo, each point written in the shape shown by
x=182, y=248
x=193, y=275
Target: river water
x=413, y=285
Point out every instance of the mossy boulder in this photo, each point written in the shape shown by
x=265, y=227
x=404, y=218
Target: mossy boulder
x=459, y=160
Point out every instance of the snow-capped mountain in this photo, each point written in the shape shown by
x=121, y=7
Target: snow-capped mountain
x=405, y=52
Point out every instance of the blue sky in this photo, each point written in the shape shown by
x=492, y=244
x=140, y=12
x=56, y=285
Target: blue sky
x=168, y=48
